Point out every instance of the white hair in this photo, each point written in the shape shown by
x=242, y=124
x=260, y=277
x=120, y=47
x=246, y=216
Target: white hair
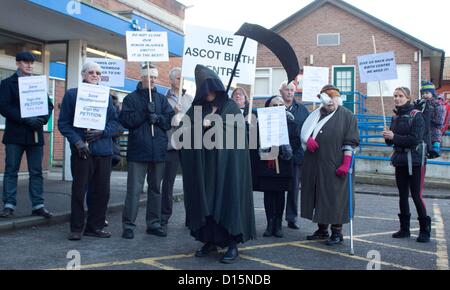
x=88, y=65
x=173, y=72
x=286, y=84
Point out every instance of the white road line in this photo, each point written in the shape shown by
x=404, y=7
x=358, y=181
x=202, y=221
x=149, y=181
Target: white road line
x=394, y=246
x=441, y=248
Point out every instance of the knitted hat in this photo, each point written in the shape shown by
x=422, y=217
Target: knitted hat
x=428, y=87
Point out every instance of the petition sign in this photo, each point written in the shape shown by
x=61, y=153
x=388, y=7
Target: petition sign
x=113, y=71
x=145, y=46
x=377, y=67
x=218, y=50
x=91, y=107
x=314, y=79
x=272, y=125
x=33, y=96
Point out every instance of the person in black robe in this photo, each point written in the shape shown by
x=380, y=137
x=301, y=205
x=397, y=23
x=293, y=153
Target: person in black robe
x=217, y=181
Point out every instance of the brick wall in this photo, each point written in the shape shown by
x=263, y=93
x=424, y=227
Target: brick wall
x=356, y=39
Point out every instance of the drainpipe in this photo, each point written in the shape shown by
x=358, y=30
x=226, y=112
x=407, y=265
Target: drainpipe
x=420, y=72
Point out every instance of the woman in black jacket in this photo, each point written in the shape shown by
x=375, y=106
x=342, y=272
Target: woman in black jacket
x=409, y=159
x=267, y=180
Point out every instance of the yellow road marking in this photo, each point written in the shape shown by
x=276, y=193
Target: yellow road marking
x=152, y=262
x=349, y=257
x=267, y=262
x=441, y=248
x=394, y=247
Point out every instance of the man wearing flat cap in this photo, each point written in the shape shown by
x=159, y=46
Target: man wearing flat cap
x=148, y=119
x=19, y=137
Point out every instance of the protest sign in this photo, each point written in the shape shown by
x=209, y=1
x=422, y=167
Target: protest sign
x=272, y=125
x=314, y=79
x=144, y=46
x=218, y=50
x=113, y=71
x=91, y=107
x=33, y=96
x=377, y=67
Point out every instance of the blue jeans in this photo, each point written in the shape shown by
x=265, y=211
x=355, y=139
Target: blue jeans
x=14, y=155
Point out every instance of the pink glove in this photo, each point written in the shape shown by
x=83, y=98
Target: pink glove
x=345, y=166
x=312, y=145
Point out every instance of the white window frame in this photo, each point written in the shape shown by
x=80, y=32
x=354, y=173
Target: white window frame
x=265, y=76
x=320, y=34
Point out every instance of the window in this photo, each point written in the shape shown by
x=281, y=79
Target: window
x=328, y=39
x=268, y=80
x=388, y=87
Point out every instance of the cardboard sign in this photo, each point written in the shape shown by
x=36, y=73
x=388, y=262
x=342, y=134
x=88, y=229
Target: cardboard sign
x=33, y=96
x=143, y=46
x=218, y=50
x=113, y=71
x=272, y=126
x=377, y=67
x=91, y=107
x=314, y=79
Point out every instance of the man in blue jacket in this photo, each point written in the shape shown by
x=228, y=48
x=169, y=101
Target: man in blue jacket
x=300, y=114
x=91, y=158
x=19, y=137
x=146, y=151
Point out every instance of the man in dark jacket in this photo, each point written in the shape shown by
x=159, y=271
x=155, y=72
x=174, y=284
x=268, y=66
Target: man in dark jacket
x=300, y=114
x=92, y=152
x=19, y=137
x=148, y=123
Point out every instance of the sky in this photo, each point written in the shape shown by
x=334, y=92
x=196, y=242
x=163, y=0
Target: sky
x=425, y=20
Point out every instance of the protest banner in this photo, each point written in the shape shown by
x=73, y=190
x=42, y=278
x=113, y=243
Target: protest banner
x=91, y=107
x=145, y=46
x=113, y=71
x=219, y=50
x=314, y=79
x=33, y=98
x=377, y=67
x=273, y=129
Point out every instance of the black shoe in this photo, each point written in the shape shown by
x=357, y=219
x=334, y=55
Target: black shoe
x=128, y=234
x=425, y=230
x=293, y=225
x=318, y=235
x=157, y=232
x=74, y=237
x=7, y=213
x=97, y=234
x=404, y=227
x=278, y=229
x=230, y=256
x=269, y=229
x=205, y=250
x=335, y=239
x=42, y=212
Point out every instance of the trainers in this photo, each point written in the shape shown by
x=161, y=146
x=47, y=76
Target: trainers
x=7, y=213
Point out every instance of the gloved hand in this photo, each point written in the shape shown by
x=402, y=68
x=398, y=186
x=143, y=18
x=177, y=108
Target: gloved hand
x=34, y=122
x=151, y=107
x=286, y=152
x=345, y=166
x=154, y=119
x=312, y=145
x=83, y=149
x=93, y=135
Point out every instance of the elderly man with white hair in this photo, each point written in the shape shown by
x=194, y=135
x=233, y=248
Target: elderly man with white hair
x=180, y=103
x=300, y=113
x=92, y=151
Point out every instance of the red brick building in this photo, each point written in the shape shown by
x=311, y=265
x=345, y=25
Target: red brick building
x=445, y=86
x=333, y=33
